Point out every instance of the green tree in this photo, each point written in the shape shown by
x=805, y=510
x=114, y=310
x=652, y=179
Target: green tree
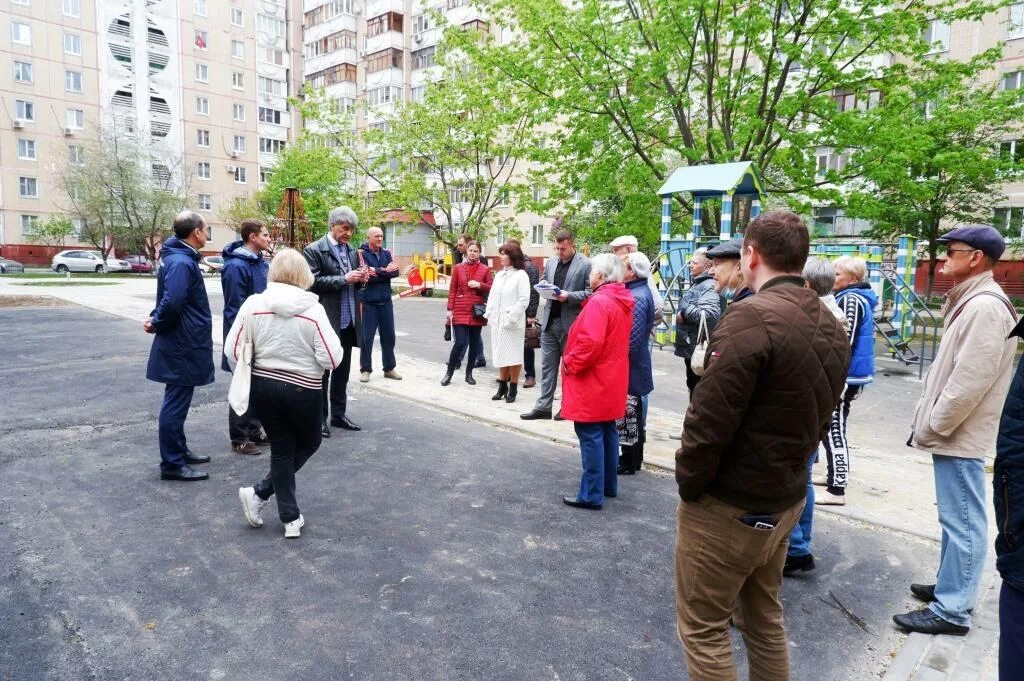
x=54, y=232
x=637, y=89
x=936, y=157
x=244, y=208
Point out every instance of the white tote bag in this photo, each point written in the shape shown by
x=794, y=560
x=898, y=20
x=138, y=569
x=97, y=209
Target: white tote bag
x=700, y=350
x=241, y=377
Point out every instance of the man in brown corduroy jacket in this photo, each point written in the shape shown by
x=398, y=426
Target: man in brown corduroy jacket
x=775, y=370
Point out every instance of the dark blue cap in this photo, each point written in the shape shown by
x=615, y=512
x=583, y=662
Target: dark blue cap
x=730, y=249
x=983, y=237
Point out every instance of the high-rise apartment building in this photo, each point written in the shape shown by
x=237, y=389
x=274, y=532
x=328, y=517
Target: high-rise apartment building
x=206, y=80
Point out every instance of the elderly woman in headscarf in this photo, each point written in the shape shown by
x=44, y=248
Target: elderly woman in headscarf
x=595, y=379
x=632, y=427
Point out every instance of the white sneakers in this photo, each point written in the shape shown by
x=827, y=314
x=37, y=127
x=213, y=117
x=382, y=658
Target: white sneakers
x=252, y=506
x=826, y=498
x=294, y=528
x=819, y=480
x=393, y=375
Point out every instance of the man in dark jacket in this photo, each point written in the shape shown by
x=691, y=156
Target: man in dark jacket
x=244, y=273
x=1008, y=494
x=337, y=277
x=776, y=368
x=700, y=300
x=378, y=311
x=182, y=354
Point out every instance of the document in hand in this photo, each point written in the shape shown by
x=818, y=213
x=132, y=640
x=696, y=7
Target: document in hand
x=547, y=291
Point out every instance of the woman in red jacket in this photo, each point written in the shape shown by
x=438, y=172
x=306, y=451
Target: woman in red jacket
x=595, y=379
x=471, y=280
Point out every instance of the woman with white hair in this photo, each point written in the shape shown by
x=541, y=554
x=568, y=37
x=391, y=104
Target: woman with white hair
x=293, y=344
x=633, y=426
x=595, y=379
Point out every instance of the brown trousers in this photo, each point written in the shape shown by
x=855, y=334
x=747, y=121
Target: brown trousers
x=728, y=570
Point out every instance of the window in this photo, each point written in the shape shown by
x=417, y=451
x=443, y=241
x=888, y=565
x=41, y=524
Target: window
x=539, y=193
x=199, y=8
x=385, y=59
x=265, y=174
x=1015, y=26
x=24, y=110
x=269, y=115
x=423, y=58
x=203, y=73
x=272, y=86
x=239, y=144
x=237, y=81
x=416, y=94
x=237, y=49
x=20, y=2
x=73, y=81
x=1012, y=150
x=421, y=23
x=326, y=12
x=383, y=95
x=236, y=17
x=28, y=188
x=343, y=104
x=22, y=72
x=452, y=4
x=203, y=170
x=271, y=146
x=238, y=112
x=73, y=44
x=240, y=175
x=205, y=201
x=201, y=39
x=538, y=235
x=21, y=33
x=76, y=155
x=389, y=21
x=499, y=235
x=28, y=224
x=1013, y=81
x=76, y=224
x=71, y=8
x=27, y=150
x=1009, y=221
x=202, y=106
x=936, y=34
x=503, y=197
x=272, y=56
x=847, y=101
x=75, y=118
x=275, y=27
x=828, y=159
x=333, y=74
x=456, y=195
x=202, y=138
x=335, y=41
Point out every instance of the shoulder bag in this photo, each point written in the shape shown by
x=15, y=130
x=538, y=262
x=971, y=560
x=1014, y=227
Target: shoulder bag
x=700, y=350
x=532, y=337
x=241, y=377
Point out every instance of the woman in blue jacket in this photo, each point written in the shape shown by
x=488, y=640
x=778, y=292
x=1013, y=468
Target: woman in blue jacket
x=633, y=427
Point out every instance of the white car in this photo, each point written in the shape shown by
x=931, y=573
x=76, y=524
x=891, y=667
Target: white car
x=87, y=261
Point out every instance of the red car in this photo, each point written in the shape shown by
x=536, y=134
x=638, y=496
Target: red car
x=139, y=263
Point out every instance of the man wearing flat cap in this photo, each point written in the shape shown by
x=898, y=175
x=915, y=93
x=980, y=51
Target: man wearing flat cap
x=622, y=246
x=956, y=420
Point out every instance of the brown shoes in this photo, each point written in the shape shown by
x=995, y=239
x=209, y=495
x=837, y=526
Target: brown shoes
x=245, y=448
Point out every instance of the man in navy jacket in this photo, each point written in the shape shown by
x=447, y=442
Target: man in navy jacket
x=182, y=354
x=378, y=311
x=245, y=273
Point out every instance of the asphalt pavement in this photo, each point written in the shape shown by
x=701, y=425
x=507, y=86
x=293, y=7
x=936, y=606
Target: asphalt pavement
x=436, y=546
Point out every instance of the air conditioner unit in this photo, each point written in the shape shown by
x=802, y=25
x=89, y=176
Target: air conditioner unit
x=18, y=124
x=68, y=132
x=234, y=154
x=232, y=169
x=418, y=38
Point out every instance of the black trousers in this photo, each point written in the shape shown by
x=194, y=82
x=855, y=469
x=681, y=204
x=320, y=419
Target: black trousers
x=335, y=383
x=529, y=362
x=691, y=378
x=242, y=428
x=837, y=447
x=466, y=335
x=291, y=416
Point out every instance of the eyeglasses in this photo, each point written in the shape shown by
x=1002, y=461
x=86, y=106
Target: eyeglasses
x=961, y=250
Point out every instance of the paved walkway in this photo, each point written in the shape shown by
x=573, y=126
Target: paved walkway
x=897, y=492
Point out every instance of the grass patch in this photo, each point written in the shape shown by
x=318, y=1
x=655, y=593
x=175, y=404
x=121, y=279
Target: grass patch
x=72, y=282
x=74, y=275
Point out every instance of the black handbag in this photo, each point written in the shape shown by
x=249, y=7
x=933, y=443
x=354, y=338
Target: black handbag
x=479, y=309
x=532, y=338
x=447, y=331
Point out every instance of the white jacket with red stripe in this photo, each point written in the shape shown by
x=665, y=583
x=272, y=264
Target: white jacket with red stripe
x=292, y=338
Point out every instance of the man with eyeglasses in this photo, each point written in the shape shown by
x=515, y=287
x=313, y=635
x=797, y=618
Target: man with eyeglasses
x=956, y=420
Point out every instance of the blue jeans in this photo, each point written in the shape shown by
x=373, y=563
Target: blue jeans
x=599, y=448
x=960, y=493
x=177, y=400
x=800, y=537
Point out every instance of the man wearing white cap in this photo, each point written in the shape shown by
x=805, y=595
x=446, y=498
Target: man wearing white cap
x=627, y=243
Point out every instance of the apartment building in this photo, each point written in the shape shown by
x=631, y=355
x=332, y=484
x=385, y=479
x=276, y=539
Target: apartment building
x=206, y=80
x=373, y=55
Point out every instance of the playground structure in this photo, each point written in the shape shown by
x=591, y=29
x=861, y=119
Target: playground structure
x=903, y=320
x=422, y=275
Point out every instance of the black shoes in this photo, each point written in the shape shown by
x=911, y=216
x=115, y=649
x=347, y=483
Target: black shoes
x=193, y=458
x=625, y=470
x=927, y=622
x=183, y=473
x=325, y=430
x=469, y=377
x=447, y=376
x=796, y=564
x=576, y=503
x=344, y=423
x=924, y=592
x=535, y=414
x=502, y=391
x=513, y=390
x=481, y=362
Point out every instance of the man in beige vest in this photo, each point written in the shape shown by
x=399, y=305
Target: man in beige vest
x=956, y=421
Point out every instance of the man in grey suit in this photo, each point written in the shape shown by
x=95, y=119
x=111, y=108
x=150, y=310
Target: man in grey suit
x=570, y=272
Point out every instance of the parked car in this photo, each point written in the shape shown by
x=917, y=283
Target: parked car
x=214, y=262
x=87, y=261
x=139, y=263
x=10, y=266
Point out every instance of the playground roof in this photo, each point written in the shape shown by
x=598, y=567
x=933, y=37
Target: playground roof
x=713, y=180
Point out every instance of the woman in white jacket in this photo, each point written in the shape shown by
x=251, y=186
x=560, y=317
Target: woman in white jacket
x=293, y=344
x=506, y=317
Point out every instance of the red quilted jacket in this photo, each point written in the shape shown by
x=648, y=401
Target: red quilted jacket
x=462, y=298
x=595, y=366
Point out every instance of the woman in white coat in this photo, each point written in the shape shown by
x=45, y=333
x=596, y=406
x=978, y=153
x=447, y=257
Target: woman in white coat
x=506, y=317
